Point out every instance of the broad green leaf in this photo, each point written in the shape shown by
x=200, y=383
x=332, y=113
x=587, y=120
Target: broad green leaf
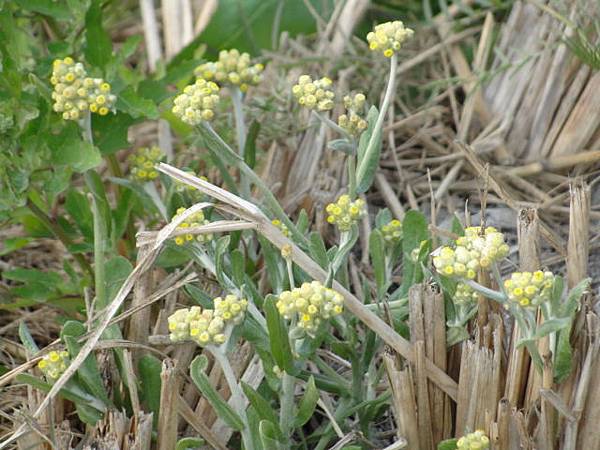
x=414, y=230
x=27, y=339
x=237, y=267
x=317, y=250
x=111, y=132
x=149, y=369
x=189, y=443
x=220, y=252
x=278, y=336
x=118, y=269
x=384, y=216
x=78, y=207
x=307, y=405
x=88, y=371
x=275, y=267
x=68, y=149
x=250, y=146
x=268, y=435
x=563, y=360
x=98, y=48
x=342, y=252
x=253, y=423
x=369, y=151
x=261, y=406
x=221, y=407
x=54, y=9
x=10, y=245
x=130, y=102
x=448, y=444
x=377, y=252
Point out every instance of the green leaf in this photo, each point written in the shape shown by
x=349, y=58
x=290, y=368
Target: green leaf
x=414, y=231
x=238, y=264
x=307, y=405
x=278, y=336
x=220, y=251
x=369, y=151
x=10, y=245
x=27, y=339
x=149, y=369
x=340, y=255
x=275, y=268
x=56, y=10
x=88, y=371
x=250, y=146
x=448, y=444
x=261, y=406
x=118, y=269
x=268, y=434
x=221, y=407
x=377, y=252
x=78, y=207
x=68, y=149
x=130, y=102
x=563, y=360
x=111, y=131
x=189, y=443
x=98, y=49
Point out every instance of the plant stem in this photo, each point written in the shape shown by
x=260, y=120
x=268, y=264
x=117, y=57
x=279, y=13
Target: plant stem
x=99, y=247
x=351, y=167
x=331, y=124
x=240, y=128
x=58, y=232
x=237, y=395
x=376, y=134
x=221, y=150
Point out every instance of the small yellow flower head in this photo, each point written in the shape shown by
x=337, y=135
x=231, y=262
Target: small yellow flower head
x=473, y=441
x=54, y=364
x=231, y=308
x=74, y=92
x=310, y=304
x=197, y=102
x=528, y=289
x=142, y=163
x=392, y=231
x=464, y=295
x=316, y=94
x=279, y=224
x=353, y=121
x=198, y=325
x=232, y=68
x=344, y=213
x=473, y=251
x=195, y=220
x=286, y=251
x=388, y=37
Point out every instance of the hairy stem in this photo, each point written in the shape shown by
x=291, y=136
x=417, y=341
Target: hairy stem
x=240, y=129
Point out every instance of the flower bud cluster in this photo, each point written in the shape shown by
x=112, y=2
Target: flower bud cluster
x=529, y=289
x=195, y=220
x=54, y=364
x=388, y=37
x=142, y=163
x=231, y=308
x=316, y=94
x=464, y=295
x=352, y=121
x=392, y=231
x=344, y=213
x=74, y=92
x=279, y=224
x=198, y=325
x=473, y=251
x=197, y=102
x=473, y=441
x=232, y=68
x=310, y=304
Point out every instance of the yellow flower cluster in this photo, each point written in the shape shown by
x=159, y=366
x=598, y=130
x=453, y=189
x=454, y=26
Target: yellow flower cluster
x=473, y=441
x=475, y=250
x=233, y=68
x=316, y=94
x=464, y=294
x=529, y=289
x=279, y=224
x=231, y=308
x=198, y=325
x=74, y=92
x=54, y=364
x=388, y=37
x=392, y=231
x=142, y=163
x=197, y=102
x=195, y=220
x=352, y=121
x=310, y=304
x=344, y=213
